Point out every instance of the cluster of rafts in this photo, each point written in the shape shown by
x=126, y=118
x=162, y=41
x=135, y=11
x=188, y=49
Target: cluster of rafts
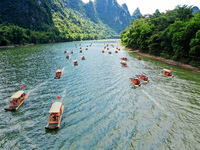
x=142, y=77
x=106, y=47
x=75, y=62
x=57, y=108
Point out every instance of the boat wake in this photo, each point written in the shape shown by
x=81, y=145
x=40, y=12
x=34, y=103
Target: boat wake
x=36, y=87
x=63, y=69
x=178, y=101
x=63, y=94
x=159, y=106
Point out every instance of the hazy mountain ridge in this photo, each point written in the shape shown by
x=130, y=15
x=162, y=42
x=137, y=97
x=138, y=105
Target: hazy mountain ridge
x=157, y=11
x=108, y=11
x=112, y=14
x=69, y=21
x=136, y=13
x=195, y=9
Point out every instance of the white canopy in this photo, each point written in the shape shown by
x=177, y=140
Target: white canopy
x=55, y=108
x=75, y=60
x=17, y=94
x=135, y=77
x=59, y=71
x=123, y=62
x=167, y=70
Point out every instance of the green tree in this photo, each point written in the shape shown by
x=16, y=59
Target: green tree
x=195, y=45
x=174, y=34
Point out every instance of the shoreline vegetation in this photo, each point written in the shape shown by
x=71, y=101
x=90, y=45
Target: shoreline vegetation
x=169, y=61
x=174, y=35
x=14, y=36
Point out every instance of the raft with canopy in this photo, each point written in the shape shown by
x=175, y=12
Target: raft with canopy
x=124, y=63
x=55, y=116
x=18, y=99
x=136, y=82
x=75, y=62
x=167, y=73
x=143, y=77
x=58, y=74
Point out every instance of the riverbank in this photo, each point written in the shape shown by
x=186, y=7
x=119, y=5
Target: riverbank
x=169, y=61
x=14, y=46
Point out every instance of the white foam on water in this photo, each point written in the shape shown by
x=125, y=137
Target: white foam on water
x=36, y=87
x=159, y=106
x=178, y=101
x=63, y=95
x=63, y=70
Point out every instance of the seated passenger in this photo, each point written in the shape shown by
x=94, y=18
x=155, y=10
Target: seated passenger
x=135, y=81
x=54, y=116
x=14, y=102
x=23, y=96
x=143, y=77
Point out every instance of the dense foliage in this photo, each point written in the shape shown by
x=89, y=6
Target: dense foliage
x=26, y=14
x=46, y=21
x=174, y=34
x=108, y=12
x=14, y=35
x=73, y=25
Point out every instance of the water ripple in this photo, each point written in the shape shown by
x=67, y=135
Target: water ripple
x=103, y=110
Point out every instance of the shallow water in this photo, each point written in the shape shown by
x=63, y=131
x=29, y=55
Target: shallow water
x=103, y=110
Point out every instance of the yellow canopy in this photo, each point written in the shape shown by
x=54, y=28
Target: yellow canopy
x=17, y=94
x=55, y=108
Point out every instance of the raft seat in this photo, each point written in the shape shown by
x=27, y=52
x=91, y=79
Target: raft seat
x=53, y=125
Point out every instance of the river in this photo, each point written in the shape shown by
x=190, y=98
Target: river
x=103, y=110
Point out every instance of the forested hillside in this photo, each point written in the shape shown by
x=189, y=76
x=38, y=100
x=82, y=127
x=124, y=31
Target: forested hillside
x=26, y=14
x=74, y=25
x=46, y=21
x=174, y=34
x=115, y=16
x=27, y=21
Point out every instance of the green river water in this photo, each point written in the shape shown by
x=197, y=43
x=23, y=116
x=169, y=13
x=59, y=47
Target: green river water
x=103, y=110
